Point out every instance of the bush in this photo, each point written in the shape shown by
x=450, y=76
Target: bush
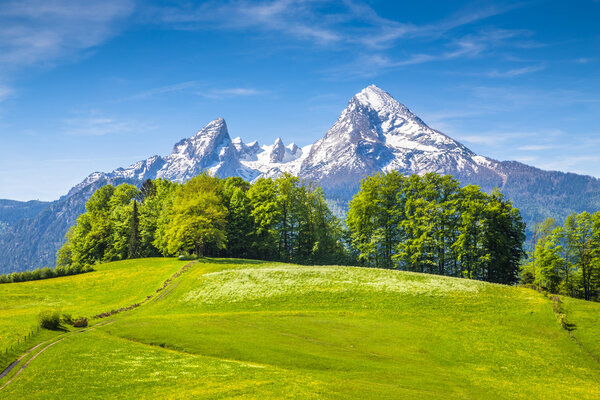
x=80, y=322
x=35, y=275
x=67, y=319
x=44, y=273
x=49, y=320
x=183, y=257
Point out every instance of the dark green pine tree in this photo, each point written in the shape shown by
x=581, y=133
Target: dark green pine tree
x=134, y=236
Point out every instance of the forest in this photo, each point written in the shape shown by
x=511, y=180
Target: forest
x=565, y=259
x=279, y=219
x=431, y=224
x=415, y=223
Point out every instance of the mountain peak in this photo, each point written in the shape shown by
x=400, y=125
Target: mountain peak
x=381, y=101
x=214, y=127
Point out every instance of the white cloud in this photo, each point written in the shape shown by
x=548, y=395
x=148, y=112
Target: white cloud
x=535, y=147
x=100, y=125
x=490, y=139
x=5, y=92
x=511, y=73
x=353, y=22
x=467, y=46
x=232, y=92
x=177, y=87
x=584, y=60
x=41, y=31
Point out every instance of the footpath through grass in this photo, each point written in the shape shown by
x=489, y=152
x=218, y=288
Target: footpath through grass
x=239, y=329
x=112, y=285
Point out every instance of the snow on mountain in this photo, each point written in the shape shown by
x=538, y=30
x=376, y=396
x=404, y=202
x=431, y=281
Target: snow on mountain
x=374, y=133
x=377, y=133
x=210, y=149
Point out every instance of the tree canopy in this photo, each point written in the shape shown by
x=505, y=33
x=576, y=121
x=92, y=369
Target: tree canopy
x=430, y=224
x=282, y=219
x=565, y=259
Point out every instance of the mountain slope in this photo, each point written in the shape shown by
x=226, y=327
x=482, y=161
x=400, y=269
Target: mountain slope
x=248, y=329
x=374, y=133
x=377, y=133
x=12, y=211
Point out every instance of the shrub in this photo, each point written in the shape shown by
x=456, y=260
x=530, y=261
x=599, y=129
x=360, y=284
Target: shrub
x=67, y=319
x=35, y=275
x=183, y=257
x=80, y=322
x=46, y=273
x=49, y=320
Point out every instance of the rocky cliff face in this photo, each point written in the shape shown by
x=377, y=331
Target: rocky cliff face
x=374, y=133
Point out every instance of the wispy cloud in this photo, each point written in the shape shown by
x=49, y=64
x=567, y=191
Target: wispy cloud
x=157, y=91
x=99, y=125
x=511, y=73
x=535, y=147
x=351, y=22
x=5, y=92
x=493, y=138
x=41, y=31
x=232, y=92
x=578, y=164
x=514, y=97
x=467, y=46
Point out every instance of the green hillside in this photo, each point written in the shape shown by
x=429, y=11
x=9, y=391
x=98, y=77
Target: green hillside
x=238, y=328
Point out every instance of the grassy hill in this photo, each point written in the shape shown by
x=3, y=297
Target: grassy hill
x=237, y=328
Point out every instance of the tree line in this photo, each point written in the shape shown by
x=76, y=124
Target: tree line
x=565, y=259
x=44, y=273
x=431, y=224
x=283, y=219
x=417, y=223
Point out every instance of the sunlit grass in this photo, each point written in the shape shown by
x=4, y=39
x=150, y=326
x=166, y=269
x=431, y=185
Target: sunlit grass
x=231, y=286
x=112, y=285
x=235, y=328
x=96, y=365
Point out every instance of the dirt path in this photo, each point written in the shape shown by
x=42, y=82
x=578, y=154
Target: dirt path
x=53, y=342
x=167, y=287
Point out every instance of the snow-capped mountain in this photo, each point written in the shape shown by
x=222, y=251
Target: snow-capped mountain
x=210, y=149
x=377, y=133
x=374, y=133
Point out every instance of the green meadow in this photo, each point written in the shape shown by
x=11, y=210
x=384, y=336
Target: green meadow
x=111, y=285
x=231, y=328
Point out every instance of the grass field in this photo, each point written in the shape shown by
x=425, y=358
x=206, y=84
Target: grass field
x=111, y=285
x=235, y=328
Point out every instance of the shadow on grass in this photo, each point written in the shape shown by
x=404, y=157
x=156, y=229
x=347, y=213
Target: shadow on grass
x=59, y=328
x=236, y=261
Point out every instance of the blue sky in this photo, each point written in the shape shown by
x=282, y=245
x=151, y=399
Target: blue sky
x=92, y=86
